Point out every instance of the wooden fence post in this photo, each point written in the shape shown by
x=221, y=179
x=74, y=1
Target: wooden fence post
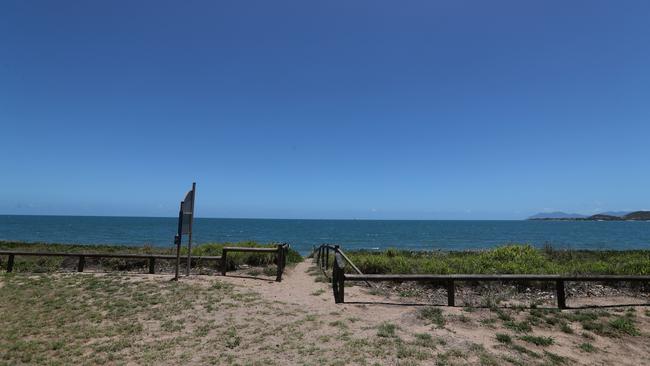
x=82, y=262
x=451, y=293
x=279, y=261
x=338, y=280
x=341, y=286
x=561, y=296
x=10, y=263
x=224, y=261
x=327, y=257
x=152, y=265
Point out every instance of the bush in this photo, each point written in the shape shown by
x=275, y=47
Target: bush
x=507, y=259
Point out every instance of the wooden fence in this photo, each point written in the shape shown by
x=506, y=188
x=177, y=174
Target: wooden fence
x=281, y=257
x=82, y=257
x=339, y=277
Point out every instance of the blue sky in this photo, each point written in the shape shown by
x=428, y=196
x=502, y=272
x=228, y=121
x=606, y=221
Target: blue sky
x=337, y=109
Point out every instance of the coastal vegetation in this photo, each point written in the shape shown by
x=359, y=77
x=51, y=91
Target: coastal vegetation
x=507, y=259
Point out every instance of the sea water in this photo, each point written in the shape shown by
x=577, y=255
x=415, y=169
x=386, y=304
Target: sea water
x=350, y=234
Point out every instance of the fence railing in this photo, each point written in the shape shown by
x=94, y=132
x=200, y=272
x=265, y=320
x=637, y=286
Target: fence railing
x=281, y=251
x=322, y=256
x=82, y=257
x=339, y=277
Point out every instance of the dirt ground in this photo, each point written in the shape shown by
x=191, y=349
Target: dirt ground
x=466, y=337
x=134, y=319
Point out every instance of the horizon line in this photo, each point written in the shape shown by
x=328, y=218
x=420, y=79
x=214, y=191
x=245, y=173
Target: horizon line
x=259, y=218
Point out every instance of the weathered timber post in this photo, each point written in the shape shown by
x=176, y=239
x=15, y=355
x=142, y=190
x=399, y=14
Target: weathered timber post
x=338, y=279
x=224, y=261
x=322, y=257
x=451, y=293
x=81, y=264
x=327, y=257
x=152, y=265
x=10, y=263
x=561, y=296
x=279, y=260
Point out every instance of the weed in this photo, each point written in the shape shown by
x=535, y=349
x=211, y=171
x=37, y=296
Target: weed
x=555, y=359
x=433, y=315
x=624, y=325
x=318, y=292
x=564, y=327
x=386, y=330
x=538, y=341
x=503, y=338
x=519, y=327
x=587, y=347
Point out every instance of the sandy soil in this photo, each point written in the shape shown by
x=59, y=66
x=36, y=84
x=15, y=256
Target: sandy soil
x=463, y=329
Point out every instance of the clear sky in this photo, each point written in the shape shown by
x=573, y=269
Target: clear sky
x=325, y=109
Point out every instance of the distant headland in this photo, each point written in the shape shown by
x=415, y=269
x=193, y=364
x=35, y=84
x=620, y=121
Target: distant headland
x=605, y=216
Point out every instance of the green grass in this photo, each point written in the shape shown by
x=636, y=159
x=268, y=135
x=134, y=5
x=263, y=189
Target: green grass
x=503, y=338
x=386, y=330
x=537, y=340
x=508, y=259
x=587, y=347
x=432, y=315
x=624, y=325
x=519, y=327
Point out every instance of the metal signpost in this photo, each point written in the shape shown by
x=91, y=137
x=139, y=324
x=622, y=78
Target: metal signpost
x=188, y=216
x=185, y=219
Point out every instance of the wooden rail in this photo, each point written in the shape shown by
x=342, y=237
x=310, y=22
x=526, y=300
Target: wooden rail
x=322, y=258
x=339, y=277
x=82, y=257
x=281, y=258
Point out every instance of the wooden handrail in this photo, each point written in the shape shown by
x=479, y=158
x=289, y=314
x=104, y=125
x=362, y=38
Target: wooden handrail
x=450, y=280
x=82, y=257
x=494, y=277
x=281, y=251
x=101, y=255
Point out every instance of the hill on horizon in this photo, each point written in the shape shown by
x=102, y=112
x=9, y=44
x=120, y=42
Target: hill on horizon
x=557, y=215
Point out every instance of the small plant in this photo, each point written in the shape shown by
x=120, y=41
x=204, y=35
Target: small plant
x=432, y=314
x=593, y=326
x=519, y=327
x=524, y=350
x=555, y=359
x=232, y=339
x=386, y=330
x=318, y=292
x=624, y=325
x=424, y=340
x=501, y=314
x=503, y=338
x=587, y=347
x=538, y=341
x=564, y=327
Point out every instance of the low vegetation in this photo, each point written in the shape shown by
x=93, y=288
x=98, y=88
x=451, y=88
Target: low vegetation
x=508, y=259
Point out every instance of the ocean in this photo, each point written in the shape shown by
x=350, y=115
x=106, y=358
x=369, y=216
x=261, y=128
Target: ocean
x=350, y=234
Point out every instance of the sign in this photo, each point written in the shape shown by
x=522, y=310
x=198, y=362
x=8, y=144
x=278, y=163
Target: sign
x=187, y=207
